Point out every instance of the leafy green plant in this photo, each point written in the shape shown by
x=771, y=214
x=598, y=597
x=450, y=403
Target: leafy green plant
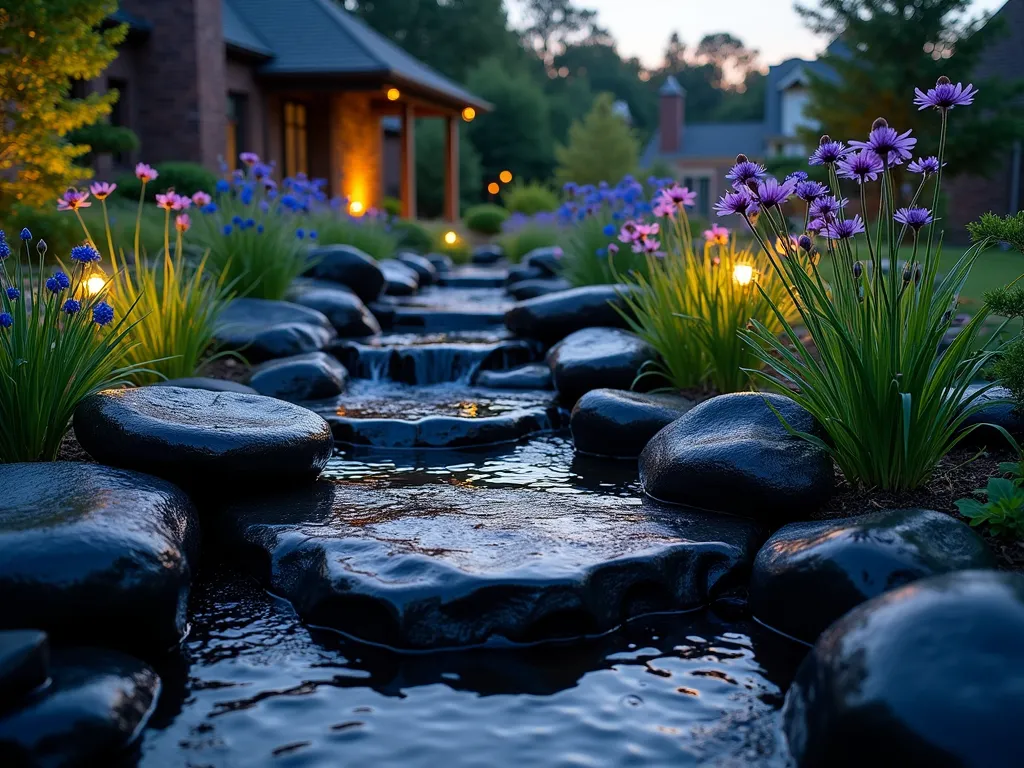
x=485, y=218
x=891, y=398
x=103, y=138
x=1003, y=508
x=59, y=343
x=529, y=198
x=369, y=233
x=182, y=177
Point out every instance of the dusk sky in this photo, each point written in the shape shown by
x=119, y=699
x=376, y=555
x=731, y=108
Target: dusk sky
x=642, y=27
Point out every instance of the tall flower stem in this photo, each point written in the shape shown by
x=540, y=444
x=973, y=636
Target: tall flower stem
x=138, y=218
x=938, y=178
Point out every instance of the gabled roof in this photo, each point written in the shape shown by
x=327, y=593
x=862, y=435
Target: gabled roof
x=781, y=76
x=318, y=37
x=239, y=36
x=712, y=140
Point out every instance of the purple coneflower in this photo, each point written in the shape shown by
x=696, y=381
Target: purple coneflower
x=745, y=171
x=828, y=152
x=770, y=192
x=887, y=143
x=827, y=206
x=863, y=166
x=681, y=196
x=101, y=190
x=740, y=201
x=926, y=166
x=797, y=175
x=843, y=230
x=915, y=218
x=167, y=201
x=73, y=200
x=810, y=190
x=944, y=96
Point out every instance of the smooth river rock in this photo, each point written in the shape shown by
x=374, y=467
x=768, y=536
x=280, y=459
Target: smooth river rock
x=261, y=329
x=207, y=440
x=422, y=266
x=530, y=376
x=24, y=663
x=96, y=705
x=552, y=317
x=304, y=377
x=1000, y=411
x=529, y=289
x=597, y=358
x=809, y=574
x=489, y=253
x=399, y=279
x=209, y=384
x=549, y=259
x=92, y=554
x=930, y=675
x=731, y=454
x=438, y=566
x=620, y=423
x=348, y=266
x=339, y=304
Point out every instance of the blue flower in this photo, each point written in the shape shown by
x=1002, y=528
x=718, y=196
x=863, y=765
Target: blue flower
x=312, y=234
x=5, y=249
x=84, y=253
x=57, y=283
x=209, y=208
x=609, y=230
x=13, y=293
x=222, y=186
x=601, y=252
x=259, y=229
x=227, y=229
x=71, y=306
x=300, y=233
x=6, y=321
x=246, y=194
x=250, y=223
x=102, y=313
x=25, y=234
x=264, y=206
x=236, y=220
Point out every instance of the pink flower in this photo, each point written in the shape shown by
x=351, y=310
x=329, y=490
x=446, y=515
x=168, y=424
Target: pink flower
x=101, y=190
x=672, y=199
x=145, y=173
x=182, y=222
x=168, y=201
x=73, y=200
x=201, y=198
x=645, y=238
x=664, y=208
x=717, y=235
x=628, y=232
x=182, y=202
x=249, y=158
x=613, y=248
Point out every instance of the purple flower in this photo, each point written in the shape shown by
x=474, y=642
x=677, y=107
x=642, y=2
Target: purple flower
x=71, y=307
x=6, y=321
x=828, y=152
x=945, y=95
x=827, y=206
x=915, y=218
x=887, y=143
x=810, y=190
x=739, y=201
x=843, y=230
x=102, y=313
x=927, y=166
x=25, y=234
x=771, y=193
x=865, y=165
x=84, y=253
x=5, y=249
x=13, y=293
x=798, y=175
x=745, y=171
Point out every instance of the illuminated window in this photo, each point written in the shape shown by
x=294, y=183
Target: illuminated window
x=294, y=138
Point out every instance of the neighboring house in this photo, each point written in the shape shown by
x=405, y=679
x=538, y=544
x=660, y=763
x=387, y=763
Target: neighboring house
x=300, y=82
x=702, y=153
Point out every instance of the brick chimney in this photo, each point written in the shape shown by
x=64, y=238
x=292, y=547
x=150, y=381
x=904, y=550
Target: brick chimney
x=672, y=119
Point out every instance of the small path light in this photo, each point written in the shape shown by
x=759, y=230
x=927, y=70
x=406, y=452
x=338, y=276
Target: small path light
x=355, y=208
x=95, y=284
x=450, y=237
x=743, y=274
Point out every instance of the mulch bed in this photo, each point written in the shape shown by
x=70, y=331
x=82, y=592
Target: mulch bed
x=227, y=368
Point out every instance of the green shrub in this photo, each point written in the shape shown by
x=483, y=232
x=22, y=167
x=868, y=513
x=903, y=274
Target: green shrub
x=486, y=218
x=104, y=138
x=367, y=233
x=413, y=235
x=529, y=199
x=58, y=345
x=184, y=178
x=523, y=238
x=392, y=206
x=1003, y=508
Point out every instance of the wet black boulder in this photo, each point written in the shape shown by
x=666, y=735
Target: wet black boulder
x=92, y=554
x=204, y=440
x=24, y=663
x=347, y=265
x=261, y=329
x=620, y=423
x=596, y=358
x=529, y=289
x=315, y=376
x=554, y=316
x=548, y=259
x=96, y=705
x=340, y=305
x=999, y=410
x=530, y=376
x=731, y=454
x=809, y=574
x=211, y=385
x=930, y=675
x=489, y=253
x=399, y=280
x=422, y=266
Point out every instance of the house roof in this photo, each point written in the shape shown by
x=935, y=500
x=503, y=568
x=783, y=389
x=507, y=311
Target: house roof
x=318, y=37
x=238, y=35
x=781, y=76
x=712, y=140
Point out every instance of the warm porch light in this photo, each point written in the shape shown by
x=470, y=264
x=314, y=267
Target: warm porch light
x=95, y=284
x=743, y=274
x=355, y=208
x=393, y=94
x=505, y=176
x=493, y=188
x=450, y=237
x=468, y=114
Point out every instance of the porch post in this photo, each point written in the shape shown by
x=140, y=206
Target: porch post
x=408, y=162
x=451, y=164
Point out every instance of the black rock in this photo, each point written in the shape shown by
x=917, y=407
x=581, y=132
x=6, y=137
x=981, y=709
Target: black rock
x=474, y=277
x=349, y=266
x=442, y=262
x=399, y=280
x=315, y=376
x=596, y=358
x=731, y=454
x=211, y=385
x=619, y=423
x=489, y=253
x=423, y=267
x=809, y=574
x=439, y=566
x=96, y=555
x=531, y=376
x=530, y=289
x=204, y=439
x=548, y=259
x=553, y=317
x=24, y=664
x=97, y=705
x=262, y=329
x=519, y=272
x=340, y=305
x=930, y=675
x=999, y=410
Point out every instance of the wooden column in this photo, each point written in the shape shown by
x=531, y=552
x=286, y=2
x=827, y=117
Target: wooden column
x=451, y=165
x=408, y=162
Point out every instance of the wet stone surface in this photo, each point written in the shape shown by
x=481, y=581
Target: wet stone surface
x=999, y=411
x=304, y=377
x=597, y=358
x=553, y=317
x=24, y=664
x=531, y=376
x=615, y=422
x=213, y=385
x=474, y=277
x=338, y=303
x=261, y=329
x=435, y=310
x=350, y=267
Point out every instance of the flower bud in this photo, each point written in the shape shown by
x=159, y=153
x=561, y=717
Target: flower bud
x=907, y=272
x=943, y=80
x=879, y=123
x=741, y=158
x=826, y=139
x=752, y=185
x=805, y=243
x=858, y=270
x=41, y=247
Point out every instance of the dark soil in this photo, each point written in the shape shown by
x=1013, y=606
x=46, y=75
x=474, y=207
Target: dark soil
x=957, y=477
x=227, y=368
x=71, y=450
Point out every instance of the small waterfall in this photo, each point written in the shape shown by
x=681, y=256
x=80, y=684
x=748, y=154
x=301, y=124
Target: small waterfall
x=424, y=364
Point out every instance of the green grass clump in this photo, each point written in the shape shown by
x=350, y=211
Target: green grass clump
x=485, y=219
x=529, y=199
x=370, y=234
